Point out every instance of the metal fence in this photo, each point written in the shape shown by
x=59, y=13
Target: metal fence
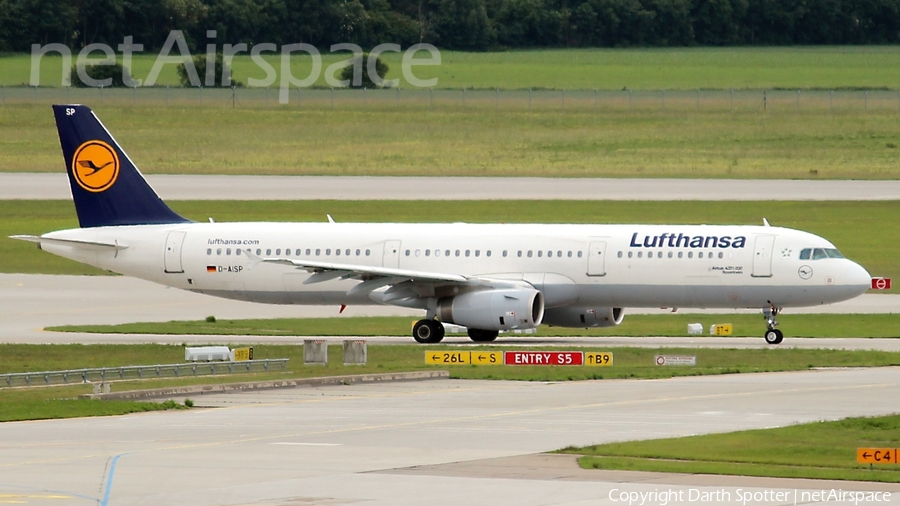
x=106, y=374
x=468, y=99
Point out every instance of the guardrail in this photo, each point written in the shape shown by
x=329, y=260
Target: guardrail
x=106, y=374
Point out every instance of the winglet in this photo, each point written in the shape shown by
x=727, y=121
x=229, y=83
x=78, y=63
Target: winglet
x=766, y=222
x=254, y=258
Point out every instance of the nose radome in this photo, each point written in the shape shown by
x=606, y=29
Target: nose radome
x=857, y=275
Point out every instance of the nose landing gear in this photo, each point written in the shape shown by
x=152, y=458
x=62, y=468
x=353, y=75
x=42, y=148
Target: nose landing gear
x=772, y=335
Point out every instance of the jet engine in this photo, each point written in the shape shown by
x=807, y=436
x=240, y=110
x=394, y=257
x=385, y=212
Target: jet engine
x=506, y=309
x=584, y=317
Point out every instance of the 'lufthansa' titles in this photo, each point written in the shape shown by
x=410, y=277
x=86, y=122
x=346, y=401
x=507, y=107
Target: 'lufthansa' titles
x=687, y=241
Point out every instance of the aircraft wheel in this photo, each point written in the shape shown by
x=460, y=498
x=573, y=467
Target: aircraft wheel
x=774, y=336
x=428, y=331
x=482, y=336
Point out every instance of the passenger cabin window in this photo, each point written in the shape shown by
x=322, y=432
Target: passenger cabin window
x=670, y=254
x=570, y=254
x=619, y=255
x=504, y=253
x=268, y=252
x=579, y=254
x=487, y=253
x=219, y=251
x=228, y=251
x=209, y=251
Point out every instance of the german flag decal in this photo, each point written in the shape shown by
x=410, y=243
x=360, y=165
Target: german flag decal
x=211, y=268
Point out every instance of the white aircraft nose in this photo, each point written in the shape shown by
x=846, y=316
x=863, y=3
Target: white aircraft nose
x=859, y=277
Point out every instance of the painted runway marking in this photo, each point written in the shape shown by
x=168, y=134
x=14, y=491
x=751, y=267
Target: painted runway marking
x=286, y=443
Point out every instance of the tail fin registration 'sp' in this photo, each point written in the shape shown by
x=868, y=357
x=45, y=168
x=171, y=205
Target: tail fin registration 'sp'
x=107, y=187
x=486, y=277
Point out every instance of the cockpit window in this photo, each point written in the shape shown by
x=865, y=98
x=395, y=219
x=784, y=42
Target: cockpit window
x=819, y=253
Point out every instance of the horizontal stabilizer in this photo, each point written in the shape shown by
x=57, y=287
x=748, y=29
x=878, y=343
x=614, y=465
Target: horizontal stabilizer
x=104, y=246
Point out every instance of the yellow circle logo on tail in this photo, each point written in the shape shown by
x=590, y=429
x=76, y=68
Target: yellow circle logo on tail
x=95, y=166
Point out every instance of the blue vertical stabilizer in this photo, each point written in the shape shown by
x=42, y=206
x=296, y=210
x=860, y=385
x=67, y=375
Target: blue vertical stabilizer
x=107, y=188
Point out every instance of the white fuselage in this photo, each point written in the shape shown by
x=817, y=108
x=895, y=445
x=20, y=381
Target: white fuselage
x=573, y=265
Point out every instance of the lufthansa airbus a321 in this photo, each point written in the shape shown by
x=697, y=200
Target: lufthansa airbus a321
x=487, y=278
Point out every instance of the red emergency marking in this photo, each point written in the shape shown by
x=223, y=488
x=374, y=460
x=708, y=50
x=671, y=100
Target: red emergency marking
x=543, y=358
x=881, y=283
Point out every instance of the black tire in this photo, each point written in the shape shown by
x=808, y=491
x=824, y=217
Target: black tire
x=773, y=336
x=428, y=331
x=482, y=336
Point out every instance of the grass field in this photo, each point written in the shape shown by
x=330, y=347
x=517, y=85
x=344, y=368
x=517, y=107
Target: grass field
x=665, y=68
x=479, y=140
x=745, y=325
x=821, y=450
x=856, y=228
x=18, y=404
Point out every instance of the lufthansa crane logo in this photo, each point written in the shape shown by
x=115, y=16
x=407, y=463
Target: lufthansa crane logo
x=95, y=166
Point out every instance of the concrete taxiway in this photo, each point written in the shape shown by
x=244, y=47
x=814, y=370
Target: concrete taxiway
x=15, y=186
x=30, y=302
x=441, y=442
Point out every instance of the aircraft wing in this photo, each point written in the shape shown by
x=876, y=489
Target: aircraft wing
x=104, y=246
x=376, y=277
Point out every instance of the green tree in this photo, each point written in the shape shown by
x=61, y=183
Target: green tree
x=718, y=22
x=200, y=66
x=462, y=24
x=381, y=69
x=99, y=73
x=531, y=23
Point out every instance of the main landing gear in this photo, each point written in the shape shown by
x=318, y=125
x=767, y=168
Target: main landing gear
x=428, y=331
x=482, y=336
x=772, y=335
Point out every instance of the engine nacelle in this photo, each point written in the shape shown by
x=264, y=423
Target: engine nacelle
x=494, y=309
x=584, y=317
